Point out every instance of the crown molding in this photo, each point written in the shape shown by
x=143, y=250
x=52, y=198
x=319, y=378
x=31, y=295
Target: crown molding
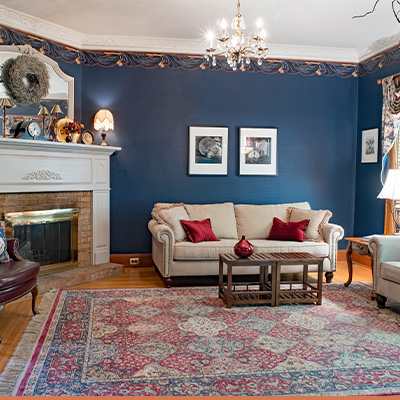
x=68, y=37
x=379, y=46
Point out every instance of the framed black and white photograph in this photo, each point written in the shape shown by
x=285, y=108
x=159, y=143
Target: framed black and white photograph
x=208, y=150
x=370, y=146
x=258, y=151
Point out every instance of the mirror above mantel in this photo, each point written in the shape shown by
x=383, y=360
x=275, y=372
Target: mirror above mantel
x=61, y=90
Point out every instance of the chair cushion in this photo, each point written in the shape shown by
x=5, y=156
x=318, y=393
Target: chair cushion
x=17, y=272
x=222, y=216
x=211, y=250
x=255, y=221
x=390, y=270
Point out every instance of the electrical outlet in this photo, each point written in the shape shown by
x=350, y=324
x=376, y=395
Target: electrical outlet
x=133, y=261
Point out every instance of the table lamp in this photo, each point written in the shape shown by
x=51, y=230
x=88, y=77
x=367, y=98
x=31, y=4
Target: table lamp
x=103, y=120
x=44, y=112
x=391, y=191
x=5, y=103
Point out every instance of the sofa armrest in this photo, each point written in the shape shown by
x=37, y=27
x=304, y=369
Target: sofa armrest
x=12, y=246
x=332, y=233
x=383, y=248
x=165, y=238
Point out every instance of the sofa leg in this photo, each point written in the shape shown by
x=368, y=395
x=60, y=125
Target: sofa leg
x=328, y=277
x=167, y=282
x=380, y=300
x=34, y=292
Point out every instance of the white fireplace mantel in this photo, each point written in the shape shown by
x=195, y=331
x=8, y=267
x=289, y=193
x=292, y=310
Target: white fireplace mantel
x=43, y=166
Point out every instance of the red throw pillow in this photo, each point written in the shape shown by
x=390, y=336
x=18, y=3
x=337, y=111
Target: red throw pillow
x=199, y=231
x=288, y=230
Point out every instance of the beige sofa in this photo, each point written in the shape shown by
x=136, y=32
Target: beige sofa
x=175, y=257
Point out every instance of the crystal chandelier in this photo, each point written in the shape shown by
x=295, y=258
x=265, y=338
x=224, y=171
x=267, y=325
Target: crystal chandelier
x=237, y=48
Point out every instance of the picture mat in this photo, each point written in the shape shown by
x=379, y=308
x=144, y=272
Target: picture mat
x=204, y=168
x=268, y=165
x=370, y=146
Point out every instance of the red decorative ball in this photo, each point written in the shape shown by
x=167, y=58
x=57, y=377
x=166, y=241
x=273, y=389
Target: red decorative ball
x=243, y=248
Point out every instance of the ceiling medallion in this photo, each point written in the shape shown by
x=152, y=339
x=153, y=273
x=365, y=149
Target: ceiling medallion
x=237, y=48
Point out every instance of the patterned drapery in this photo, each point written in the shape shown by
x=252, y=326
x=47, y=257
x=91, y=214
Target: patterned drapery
x=390, y=119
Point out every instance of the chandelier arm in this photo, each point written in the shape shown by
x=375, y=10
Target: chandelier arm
x=368, y=12
x=396, y=14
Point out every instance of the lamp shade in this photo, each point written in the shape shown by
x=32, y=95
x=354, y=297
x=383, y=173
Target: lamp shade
x=5, y=103
x=103, y=120
x=391, y=188
x=43, y=111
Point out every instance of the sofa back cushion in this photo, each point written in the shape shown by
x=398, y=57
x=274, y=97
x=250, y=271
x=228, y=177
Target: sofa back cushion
x=222, y=217
x=255, y=221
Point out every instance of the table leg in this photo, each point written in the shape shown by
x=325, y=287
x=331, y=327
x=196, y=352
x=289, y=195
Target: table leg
x=278, y=283
x=305, y=276
x=229, y=287
x=273, y=284
x=220, y=278
x=349, y=252
x=319, y=283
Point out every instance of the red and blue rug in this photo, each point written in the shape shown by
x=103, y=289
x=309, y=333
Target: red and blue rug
x=184, y=341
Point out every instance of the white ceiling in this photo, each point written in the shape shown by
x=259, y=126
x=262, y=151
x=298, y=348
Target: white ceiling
x=297, y=29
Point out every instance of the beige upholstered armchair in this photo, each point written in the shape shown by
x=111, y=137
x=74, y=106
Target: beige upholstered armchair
x=386, y=267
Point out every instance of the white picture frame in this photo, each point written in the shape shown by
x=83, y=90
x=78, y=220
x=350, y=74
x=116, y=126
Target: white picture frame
x=370, y=145
x=208, y=150
x=258, y=151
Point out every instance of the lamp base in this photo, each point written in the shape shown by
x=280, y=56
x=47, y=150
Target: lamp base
x=103, y=142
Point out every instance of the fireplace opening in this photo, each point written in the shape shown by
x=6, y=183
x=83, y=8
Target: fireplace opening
x=49, y=237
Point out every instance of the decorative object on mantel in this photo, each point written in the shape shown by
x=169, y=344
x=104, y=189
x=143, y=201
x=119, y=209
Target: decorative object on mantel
x=237, y=48
x=391, y=191
x=18, y=129
x=25, y=79
x=5, y=103
x=87, y=137
x=44, y=112
x=243, y=248
x=68, y=130
x=103, y=120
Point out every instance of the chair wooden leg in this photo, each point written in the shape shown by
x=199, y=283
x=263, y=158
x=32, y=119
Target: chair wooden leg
x=34, y=292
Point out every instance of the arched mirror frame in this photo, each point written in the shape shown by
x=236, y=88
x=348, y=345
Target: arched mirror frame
x=29, y=50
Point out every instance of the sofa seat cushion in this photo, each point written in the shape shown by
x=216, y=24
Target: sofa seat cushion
x=255, y=221
x=211, y=250
x=203, y=250
x=390, y=271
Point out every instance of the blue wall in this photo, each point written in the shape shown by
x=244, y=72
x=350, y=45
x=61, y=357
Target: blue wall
x=316, y=118
x=369, y=211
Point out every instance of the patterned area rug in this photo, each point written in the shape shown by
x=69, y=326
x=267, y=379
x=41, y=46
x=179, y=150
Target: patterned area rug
x=185, y=342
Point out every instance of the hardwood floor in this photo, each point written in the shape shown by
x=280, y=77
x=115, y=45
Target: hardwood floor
x=16, y=315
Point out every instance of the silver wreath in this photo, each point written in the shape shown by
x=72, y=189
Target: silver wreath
x=25, y=79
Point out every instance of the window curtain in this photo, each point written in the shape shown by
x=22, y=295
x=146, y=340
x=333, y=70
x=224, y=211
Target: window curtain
x=390, y=129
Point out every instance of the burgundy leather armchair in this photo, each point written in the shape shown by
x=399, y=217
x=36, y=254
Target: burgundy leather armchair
x=18, y=277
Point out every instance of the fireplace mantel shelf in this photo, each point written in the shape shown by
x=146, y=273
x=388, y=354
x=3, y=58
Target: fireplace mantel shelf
x=56, y=146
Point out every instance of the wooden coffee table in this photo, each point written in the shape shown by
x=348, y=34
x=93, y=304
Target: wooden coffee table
x=268, y=289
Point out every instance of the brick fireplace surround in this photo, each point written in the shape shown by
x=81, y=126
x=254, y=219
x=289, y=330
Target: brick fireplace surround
x=45, y=175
